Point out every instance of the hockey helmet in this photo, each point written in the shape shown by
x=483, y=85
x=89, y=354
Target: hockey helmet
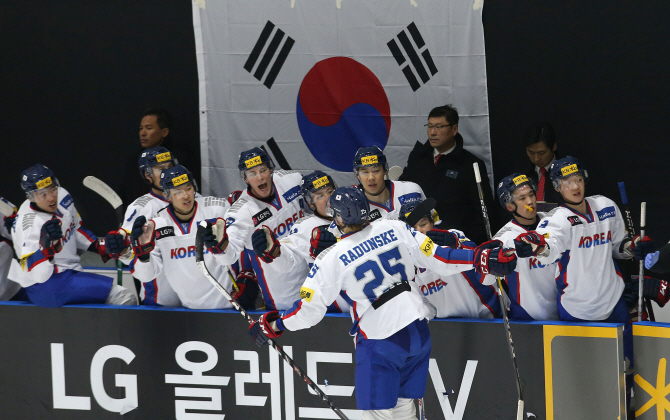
x=411, y=213
x=176, y=176
x=349, y=205
x=511, y=183
x=152, y=157
x=566, y=167
x=371, y=156
x=252, y=158
x=36, y=178
x=313, y=182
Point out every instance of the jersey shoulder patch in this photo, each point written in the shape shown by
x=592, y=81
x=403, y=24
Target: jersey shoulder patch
x=282, y=172
x=210, y=201
x=142, y=201
x=502, y=231
x=238, y=205
x=27, y=221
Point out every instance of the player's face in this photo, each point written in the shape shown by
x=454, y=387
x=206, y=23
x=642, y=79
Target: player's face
x=540, y=154
x=46, y=199
x=183, y=198
x=372, y=179
x=525, y=201
x=572, y=189
x=441, y=134
x=424, y=225
x=151, y=134
x=156, y=172
x=259, y=179
x=320, y=198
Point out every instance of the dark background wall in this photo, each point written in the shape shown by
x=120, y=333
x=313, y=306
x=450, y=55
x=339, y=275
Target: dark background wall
x=75, y=77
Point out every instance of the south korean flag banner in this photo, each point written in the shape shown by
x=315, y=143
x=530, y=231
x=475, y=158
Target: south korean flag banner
x=311, y=81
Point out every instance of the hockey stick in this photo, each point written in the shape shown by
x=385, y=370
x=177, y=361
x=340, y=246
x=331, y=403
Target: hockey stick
x=630, y=227
x=520, y=414
x=5, y=209
x=106, y=192
x=643, y=219
x=200, y=261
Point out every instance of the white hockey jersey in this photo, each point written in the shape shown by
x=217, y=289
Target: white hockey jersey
x=35, y=267
x=247, y=214
x=364, y=265
x=532, y=287
x=458, y=295
x=159, y=290
x=174, y=256
x=589, y=283
x=8, y=288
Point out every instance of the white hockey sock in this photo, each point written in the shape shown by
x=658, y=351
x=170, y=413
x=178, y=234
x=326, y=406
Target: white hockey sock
x=119, y=295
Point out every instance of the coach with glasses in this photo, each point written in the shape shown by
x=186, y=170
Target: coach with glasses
x=443, y=169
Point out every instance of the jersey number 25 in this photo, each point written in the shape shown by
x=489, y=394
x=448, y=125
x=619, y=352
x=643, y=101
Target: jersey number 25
x=390, y=262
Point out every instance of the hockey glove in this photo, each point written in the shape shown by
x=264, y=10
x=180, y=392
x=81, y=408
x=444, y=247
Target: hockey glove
x=529, y=244
x=215, y=236
x=233, y=196
x=444, y=238
x=654, y=289
x=117, y=243
x=100, y=247
x=651, y=259
x=248, y=290
x=50, y=238
x=143, y=238
x=9, y=221
x=262, y=329
x=321, y=239
x=641, y=247
x=492, y=258
x=265, y=243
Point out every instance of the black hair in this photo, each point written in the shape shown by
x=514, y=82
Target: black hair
x=163, y=117
x=540, y=132
x=447, y=111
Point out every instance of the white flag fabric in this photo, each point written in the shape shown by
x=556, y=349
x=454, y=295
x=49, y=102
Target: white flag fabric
x=313, y=80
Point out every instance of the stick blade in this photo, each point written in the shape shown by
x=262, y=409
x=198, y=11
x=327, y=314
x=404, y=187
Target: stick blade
x=104, y=190
x=6, y=208
x=520, y=415
x=394, y=173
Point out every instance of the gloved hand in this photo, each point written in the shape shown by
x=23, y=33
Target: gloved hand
x=262, y=329
x=265, y=244
x=651, y=259
x=143, y=238
x=321, y=239
x=491, y=258
x=9, y=221
x=233, y=196
x=117, y=243
x=248, y=290
x=100, y=247
x=51, y=235
x=529, y=244
x=641, y=247
x=444, y=238
x=215, y=236
x=654, y=289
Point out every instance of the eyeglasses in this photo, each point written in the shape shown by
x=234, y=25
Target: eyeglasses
x=438, y=127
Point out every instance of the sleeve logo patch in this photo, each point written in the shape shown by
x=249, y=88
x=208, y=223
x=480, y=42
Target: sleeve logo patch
x=66, y=201
x=292, y=194
x=44, y=183
x=574, y=220
x=520, y=179
x=163, y=157
x=164, y=232
x=375, y=214
x=427, y=247
x=306, y=294
x=250, y=163
x=369, y=160
x=606, y=213
x=180, y=180
x=569, y=170
x=320, y=182
x=409, y=198
x=261, y=216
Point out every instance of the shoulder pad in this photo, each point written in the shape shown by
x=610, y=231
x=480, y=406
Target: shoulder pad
x=142, y=201
x=27, y=221
x=502, y=231
x=237, y=205
x=214, y=201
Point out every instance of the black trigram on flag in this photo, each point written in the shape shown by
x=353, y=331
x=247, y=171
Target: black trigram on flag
x=413, y=55
x=269, y=54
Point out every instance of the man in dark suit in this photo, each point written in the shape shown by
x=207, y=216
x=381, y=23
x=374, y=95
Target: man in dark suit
x=540, y=142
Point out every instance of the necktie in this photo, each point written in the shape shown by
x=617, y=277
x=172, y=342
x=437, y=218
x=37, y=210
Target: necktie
x=540, y=184
x=437, y=158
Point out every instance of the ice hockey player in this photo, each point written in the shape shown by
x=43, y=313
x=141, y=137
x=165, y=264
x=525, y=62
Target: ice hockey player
x=9, y=290
x=459, y=295
x=532, y=287
x=47, y=234
x=151, y=162
x=272, y=201
x=584, y=233
x=385, y=196
x=166, y=244
x=373, y=263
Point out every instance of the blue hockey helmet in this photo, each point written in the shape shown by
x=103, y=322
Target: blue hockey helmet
x=252, y=158
x=566, y=167
x=174, y=177
x=36, y=178
x=412, y=212
x=371, y=156
x=313, y=182
x=152, y=157
x=349, y=205
x=511, y=183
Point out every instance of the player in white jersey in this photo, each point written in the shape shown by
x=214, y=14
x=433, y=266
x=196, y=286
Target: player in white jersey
x=373, y=263
x=151, y=162
x=166, y=244
x=385, y=196
x=47, y=235
x=295, y=254
x=532, y=287
x=459, y=295
x=272, y=199
x=9, y=290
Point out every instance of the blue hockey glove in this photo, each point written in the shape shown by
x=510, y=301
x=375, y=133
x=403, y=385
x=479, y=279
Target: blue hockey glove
x=529, y=244
x=262, y=329
x=215, y=236
x=248, y=290
x=641, y=247
x=321, y=239
x=492, y=258
x=265, y=244
x=444, y=238
x=50, y=237
x=117, y=243
x=143, y=238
